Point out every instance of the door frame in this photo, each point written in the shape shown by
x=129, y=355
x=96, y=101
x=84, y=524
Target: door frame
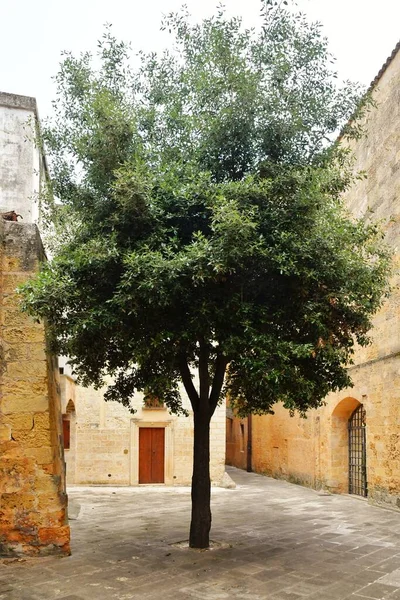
x=168, y=450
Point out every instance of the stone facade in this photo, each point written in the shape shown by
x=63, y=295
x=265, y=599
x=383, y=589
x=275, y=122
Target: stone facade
x=23, y=167
x=104, y=438
x=315, y=451
x=33, y=501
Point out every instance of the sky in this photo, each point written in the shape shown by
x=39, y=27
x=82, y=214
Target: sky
x=362, y=33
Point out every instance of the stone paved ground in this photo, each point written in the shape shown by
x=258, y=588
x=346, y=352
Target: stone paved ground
x=278, y=541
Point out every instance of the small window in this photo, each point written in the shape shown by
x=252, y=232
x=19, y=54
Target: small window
x=230, y=430
x=67, y=433
x=61, y=370
x=241, y=437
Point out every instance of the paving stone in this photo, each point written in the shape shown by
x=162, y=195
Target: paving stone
x=392, y=578
x=365, y=577
x=375, y=590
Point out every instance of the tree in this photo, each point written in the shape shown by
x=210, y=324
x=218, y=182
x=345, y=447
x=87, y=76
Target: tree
x=201, y=224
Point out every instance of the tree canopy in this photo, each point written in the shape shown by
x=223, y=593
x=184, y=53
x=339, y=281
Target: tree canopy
x=201, y=222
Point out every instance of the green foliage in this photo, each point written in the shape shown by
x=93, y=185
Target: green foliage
x=201, y=220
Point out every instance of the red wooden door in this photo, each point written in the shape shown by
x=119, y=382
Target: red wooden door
x=151, y=454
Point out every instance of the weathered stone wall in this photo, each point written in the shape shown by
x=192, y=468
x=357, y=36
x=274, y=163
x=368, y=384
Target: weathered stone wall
x=314, y=451
x=22, y=165
x=104, y=441
x=33, y=501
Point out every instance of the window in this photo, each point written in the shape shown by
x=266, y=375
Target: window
x=67, y=433
x=230, y=430
x=241, y=437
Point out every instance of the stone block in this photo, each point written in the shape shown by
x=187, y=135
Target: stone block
x=24, y=335
x=5, y=433
x=32, y=438
x=41, y=456
x=42, y=420
x=31, y=370
x=46, y=484
x=11, y=281
x=18, y=501
x=16, y=403
x=54, y=535
x=16, y=476
x=22, y=242
x=36, y=352
x=14, y=353
x=16, y=536
x=20, y=420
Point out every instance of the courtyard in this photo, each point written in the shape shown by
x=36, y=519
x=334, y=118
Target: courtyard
x=272, y=539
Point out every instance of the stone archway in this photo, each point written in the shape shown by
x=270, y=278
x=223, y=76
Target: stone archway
x=340, y=444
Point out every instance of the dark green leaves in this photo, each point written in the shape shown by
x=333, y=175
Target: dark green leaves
x=201, y=210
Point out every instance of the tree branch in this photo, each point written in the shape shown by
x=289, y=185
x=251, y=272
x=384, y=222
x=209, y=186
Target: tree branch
x=188, y=382
x=220, y=368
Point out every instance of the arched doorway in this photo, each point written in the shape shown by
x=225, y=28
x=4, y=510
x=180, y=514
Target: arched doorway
x=339, y=444
x=357, y=453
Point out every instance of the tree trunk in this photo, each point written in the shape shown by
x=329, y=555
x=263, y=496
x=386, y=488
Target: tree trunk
x=201, y=483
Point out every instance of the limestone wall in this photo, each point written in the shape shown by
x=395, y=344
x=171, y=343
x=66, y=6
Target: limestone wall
x=104, y=441
x=33, y=502
x=314, y=451
x=22, y=165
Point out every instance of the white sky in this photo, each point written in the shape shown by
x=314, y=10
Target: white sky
x=362, y=33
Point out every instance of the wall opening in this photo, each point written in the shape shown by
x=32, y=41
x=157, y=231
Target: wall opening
x=242, y=437
x=357, y=453
x=69, y=440
x=339, y=445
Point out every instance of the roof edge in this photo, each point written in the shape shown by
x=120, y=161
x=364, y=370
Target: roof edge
x=17, y=101
x=384, y=67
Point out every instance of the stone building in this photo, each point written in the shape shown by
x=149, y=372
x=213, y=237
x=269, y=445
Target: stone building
x=106, y=444
x=351, y=445
x=33, y=500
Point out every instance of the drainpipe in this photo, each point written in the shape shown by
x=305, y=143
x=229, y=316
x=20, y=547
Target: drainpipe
x=249, y=444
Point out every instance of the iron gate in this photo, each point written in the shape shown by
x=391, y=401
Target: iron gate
x=357, y=453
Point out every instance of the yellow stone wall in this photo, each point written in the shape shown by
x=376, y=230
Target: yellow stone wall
x=33, y=501
x=237, y=440
x=104, y=439
x=314, y=451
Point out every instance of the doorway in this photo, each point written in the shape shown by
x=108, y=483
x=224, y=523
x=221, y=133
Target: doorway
x=357, y=453
x=151, y=454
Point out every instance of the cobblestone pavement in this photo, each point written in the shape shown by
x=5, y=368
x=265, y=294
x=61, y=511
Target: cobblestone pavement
x=273, y=540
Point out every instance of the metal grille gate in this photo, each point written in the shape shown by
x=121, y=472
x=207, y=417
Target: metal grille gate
x=357, y=453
